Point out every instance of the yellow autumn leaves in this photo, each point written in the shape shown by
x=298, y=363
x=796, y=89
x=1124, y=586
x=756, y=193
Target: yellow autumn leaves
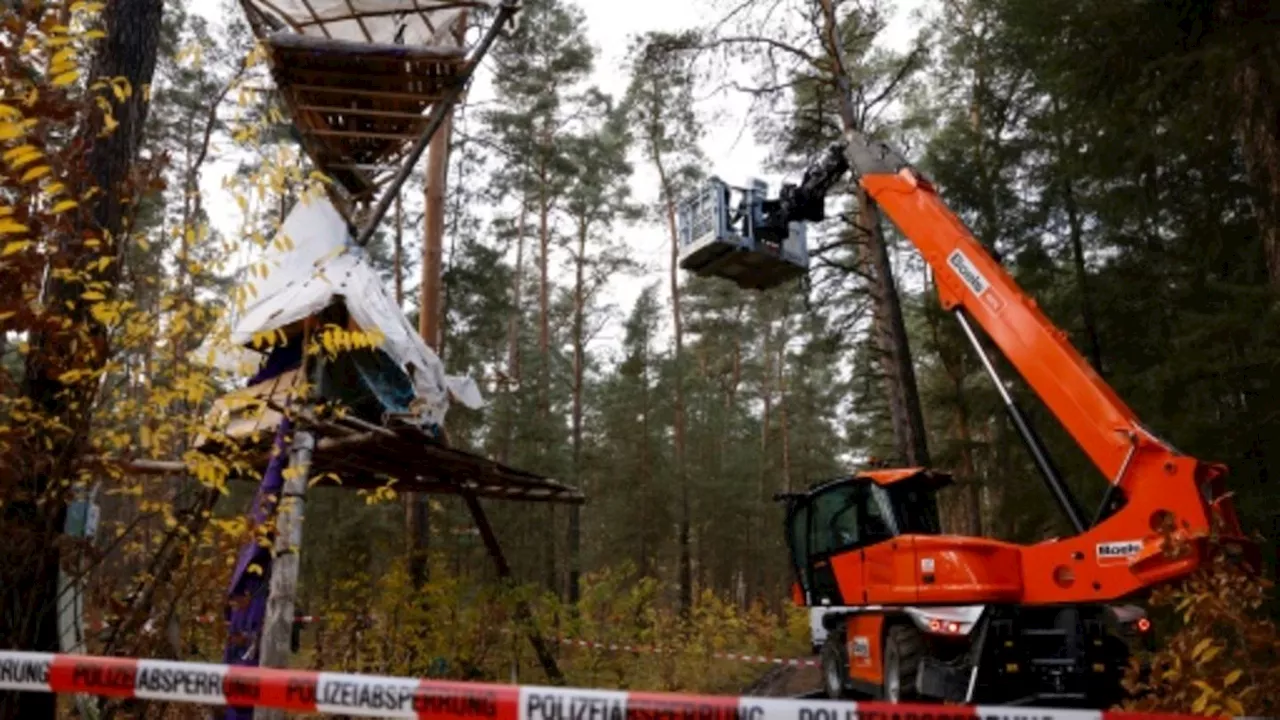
x=62, y=48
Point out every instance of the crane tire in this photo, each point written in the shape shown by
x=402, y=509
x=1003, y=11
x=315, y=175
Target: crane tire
x=903, y=651
x=835, y=667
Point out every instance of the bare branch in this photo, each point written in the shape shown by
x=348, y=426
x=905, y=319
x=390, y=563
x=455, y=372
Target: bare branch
x=808, y=59
x=908, y=66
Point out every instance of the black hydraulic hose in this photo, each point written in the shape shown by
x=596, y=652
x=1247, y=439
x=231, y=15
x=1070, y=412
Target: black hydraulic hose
x=1061, y=493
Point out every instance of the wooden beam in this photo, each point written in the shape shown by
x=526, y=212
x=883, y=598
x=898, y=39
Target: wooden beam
x=323, y=29
x=388, y=94
x=335, y=109
x=282, y=15
x=360, y=21
x=545, y=658
x=385, y=13
x=387, y=50
x=358, y=134
x=362, y=76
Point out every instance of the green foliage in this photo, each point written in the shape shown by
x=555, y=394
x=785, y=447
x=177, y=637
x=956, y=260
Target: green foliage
x=453, y=628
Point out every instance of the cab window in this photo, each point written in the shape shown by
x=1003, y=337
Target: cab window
x=799, y=542
x=916, y=509
x=836, y=519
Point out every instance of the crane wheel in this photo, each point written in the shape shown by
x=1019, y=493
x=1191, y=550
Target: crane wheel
x=835, y=667
x=903, y=651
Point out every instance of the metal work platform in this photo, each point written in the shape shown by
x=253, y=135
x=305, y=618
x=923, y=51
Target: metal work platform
x=720, y=238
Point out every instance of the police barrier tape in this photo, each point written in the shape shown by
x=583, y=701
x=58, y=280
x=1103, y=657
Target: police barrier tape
x=373, y=696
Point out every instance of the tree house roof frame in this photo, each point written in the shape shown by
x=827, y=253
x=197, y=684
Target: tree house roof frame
x=362, y=79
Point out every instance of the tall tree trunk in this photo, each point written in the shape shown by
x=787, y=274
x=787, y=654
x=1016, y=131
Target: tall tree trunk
x=908, y=420
x=29, y=585
x=1257, y=90
x=544, y=364
x=953, y=366
x=685, y=562
x=579, y=370
x=513, y=338
x=757, y=525
x=417, y=507
x=783, y=420
x=891, y=339
x=399, y=252
x=644, y=561
x=1075, y=228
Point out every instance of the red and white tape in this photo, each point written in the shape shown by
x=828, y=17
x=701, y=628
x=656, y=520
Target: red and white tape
x=374, y=696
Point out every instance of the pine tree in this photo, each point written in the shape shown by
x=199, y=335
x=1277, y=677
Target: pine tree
x=597, y=199
x=659, y=102
x=538, y=80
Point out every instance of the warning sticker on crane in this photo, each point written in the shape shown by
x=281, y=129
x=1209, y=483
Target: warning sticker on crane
x=974, y=279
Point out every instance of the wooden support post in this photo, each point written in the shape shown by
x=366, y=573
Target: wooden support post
x=277, y=628
x=504, y=571
x=417, y=510
x=433, y=237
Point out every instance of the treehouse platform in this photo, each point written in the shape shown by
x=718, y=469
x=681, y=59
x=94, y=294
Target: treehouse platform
x=355, y=450
x=359, y=80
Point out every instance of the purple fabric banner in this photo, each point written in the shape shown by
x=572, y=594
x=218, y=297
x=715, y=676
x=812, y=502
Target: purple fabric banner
x=247, y=597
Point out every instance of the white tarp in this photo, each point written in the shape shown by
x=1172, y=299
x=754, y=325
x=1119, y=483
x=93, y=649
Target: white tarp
x=324, y=263
x=382, y=18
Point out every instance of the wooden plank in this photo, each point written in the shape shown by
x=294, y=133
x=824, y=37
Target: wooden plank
x=333, y=46
x=369, y=112
x=363, y=92
x=399, y=82
x=382, y=68
x=359, y=21
x=386, y=13
x=280, y=14
x=361, y=134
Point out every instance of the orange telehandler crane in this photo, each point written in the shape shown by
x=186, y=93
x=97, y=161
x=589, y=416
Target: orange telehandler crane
x=913, y=614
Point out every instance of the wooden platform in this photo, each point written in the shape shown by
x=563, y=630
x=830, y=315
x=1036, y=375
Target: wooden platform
x=358, y=106
x=365, y=456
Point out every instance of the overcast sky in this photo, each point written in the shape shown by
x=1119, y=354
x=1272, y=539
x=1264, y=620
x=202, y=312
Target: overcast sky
x=610, y=24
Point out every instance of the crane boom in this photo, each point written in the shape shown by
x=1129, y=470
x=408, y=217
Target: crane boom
x=971, y=280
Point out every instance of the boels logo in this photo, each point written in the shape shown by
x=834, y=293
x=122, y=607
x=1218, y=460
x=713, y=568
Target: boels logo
x=1118, y=553
x=973, y=279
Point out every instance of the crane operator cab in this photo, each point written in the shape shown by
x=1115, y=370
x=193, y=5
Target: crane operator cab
x=838, y=517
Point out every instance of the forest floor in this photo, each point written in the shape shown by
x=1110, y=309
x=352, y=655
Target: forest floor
x=787, y=681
